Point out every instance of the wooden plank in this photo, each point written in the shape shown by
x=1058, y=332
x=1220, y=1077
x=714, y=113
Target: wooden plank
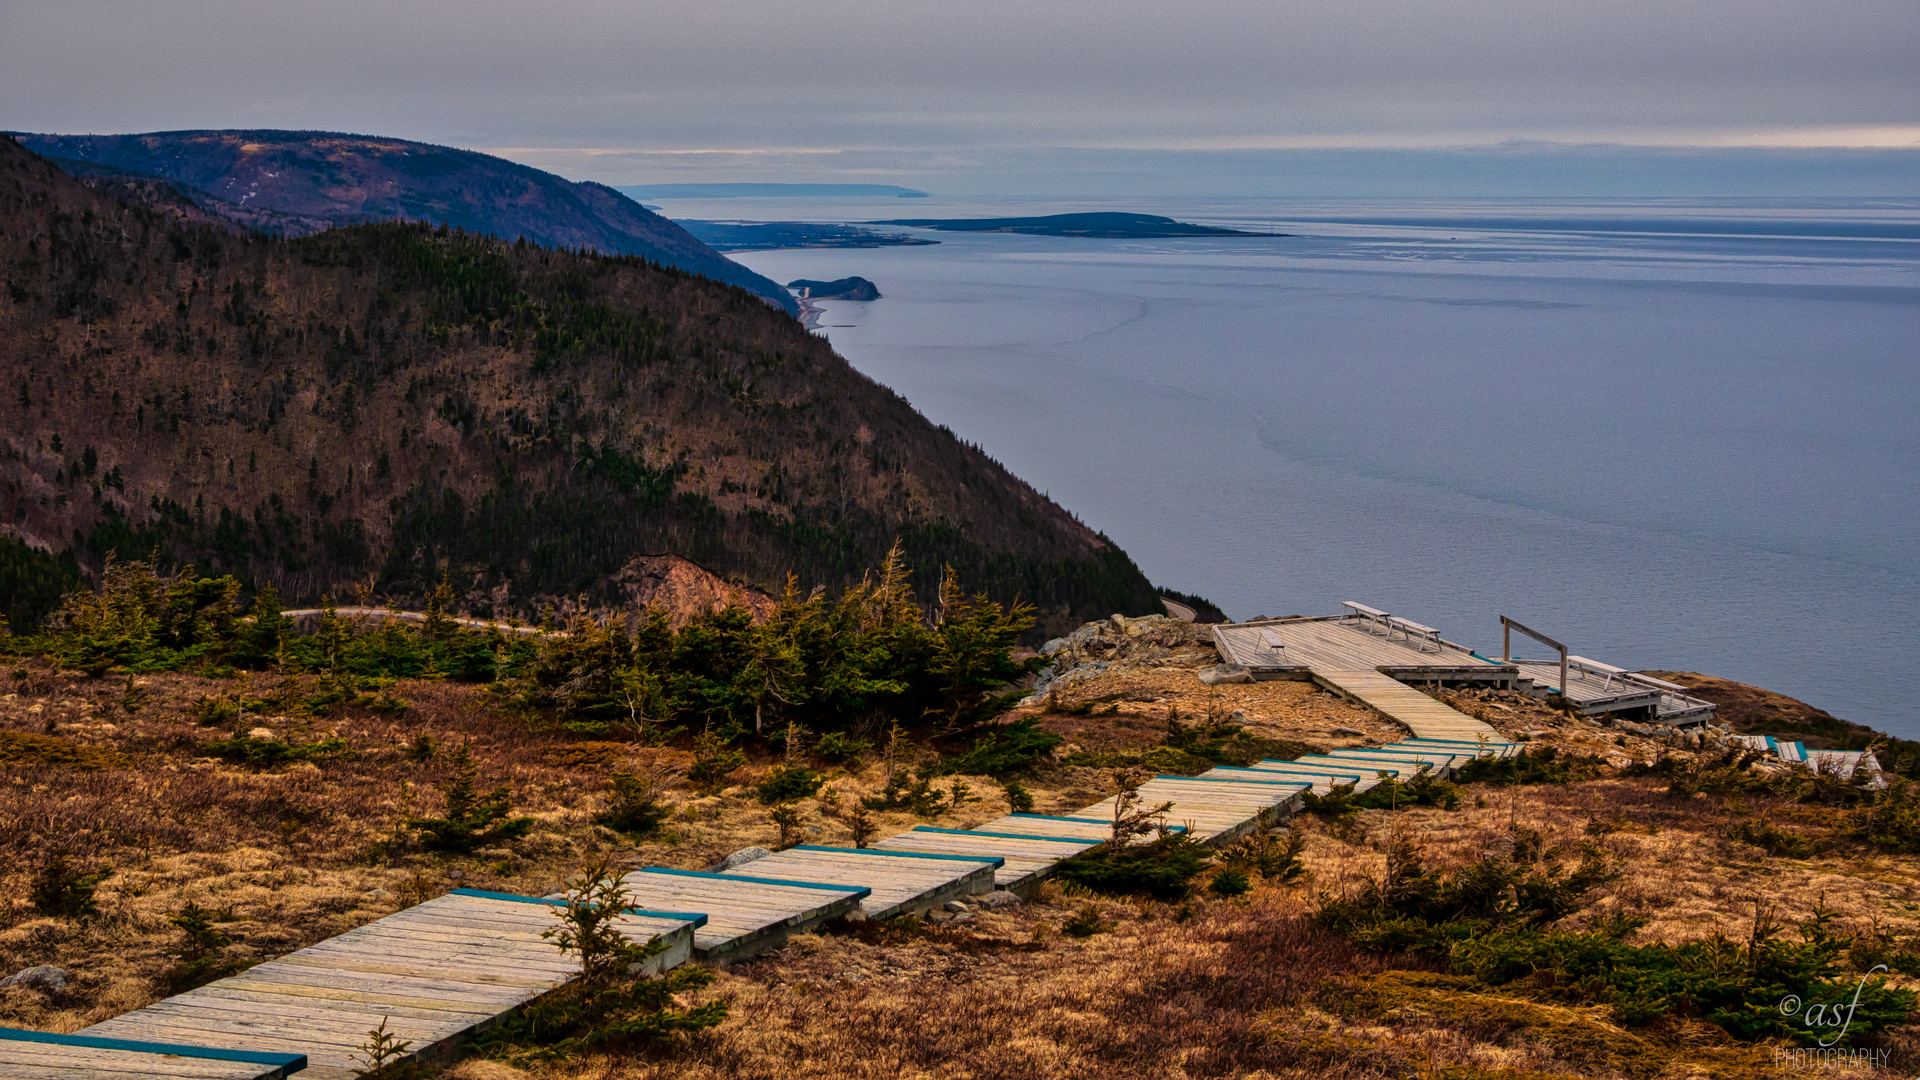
x=42, y=1059
x=170, y=1057
x=306, y=958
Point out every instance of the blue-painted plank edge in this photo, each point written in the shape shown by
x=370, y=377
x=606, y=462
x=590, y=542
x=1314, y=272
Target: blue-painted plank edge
x=1280, y=772
x=994, y=860
x=1012, y=835
x=1224, y=780
x=855, y=891
x=289, y=1062
x=1489, y=744
x=698, y=920
x=1081, y=820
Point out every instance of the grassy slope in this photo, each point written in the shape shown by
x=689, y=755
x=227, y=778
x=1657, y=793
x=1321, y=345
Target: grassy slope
x=1239, y=987
x=384, y=404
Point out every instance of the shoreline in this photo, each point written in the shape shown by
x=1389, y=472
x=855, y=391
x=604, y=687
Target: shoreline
x=810, y=314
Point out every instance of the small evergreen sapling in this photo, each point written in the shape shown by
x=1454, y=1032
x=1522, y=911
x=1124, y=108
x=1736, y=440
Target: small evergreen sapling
x=472, y=820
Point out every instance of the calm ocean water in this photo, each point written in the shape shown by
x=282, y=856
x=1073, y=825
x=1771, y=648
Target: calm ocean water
x=1672, y=434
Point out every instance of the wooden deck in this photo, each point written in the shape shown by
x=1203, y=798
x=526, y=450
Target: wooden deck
x=900, y=882
x=1346, y=643
x=1597, y=688
x=746, y=913
x=436, y=973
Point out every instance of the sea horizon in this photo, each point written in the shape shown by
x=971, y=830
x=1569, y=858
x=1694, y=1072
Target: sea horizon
x=1674, y=433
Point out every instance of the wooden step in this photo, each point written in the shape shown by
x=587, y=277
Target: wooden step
x=899, y=882
x=746, y=914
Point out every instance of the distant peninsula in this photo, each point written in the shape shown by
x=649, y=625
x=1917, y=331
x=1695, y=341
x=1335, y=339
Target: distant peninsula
x=1110, y=226
x=848, y=288
x=768, y=191
x=772, y=235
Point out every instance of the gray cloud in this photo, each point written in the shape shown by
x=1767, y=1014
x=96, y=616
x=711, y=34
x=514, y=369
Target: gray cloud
x=900, y=86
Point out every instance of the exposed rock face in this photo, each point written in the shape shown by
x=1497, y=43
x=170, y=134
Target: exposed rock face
x=683, y=589
x=1152, y=640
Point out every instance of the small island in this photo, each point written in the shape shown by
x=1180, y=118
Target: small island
x=1104, y=225
x=850, y=288
x=772, y=235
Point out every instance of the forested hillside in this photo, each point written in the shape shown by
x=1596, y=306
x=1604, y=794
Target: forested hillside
x=294, y=183
x=370, y=408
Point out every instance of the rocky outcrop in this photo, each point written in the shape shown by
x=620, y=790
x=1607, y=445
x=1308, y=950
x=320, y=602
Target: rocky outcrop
x=683, y=589
x=1152, y=640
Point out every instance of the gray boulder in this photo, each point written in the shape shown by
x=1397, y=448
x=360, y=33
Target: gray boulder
x=44, y=977
x=738, y=859
x=1225, y=674
x=998, y=898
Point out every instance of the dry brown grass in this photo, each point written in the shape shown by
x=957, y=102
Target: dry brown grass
x=1243, y=989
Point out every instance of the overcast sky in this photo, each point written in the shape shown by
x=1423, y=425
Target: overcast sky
x=967, y=91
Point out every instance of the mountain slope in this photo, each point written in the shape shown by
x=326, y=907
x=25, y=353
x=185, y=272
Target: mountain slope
x=377, y=405
x=297, y=182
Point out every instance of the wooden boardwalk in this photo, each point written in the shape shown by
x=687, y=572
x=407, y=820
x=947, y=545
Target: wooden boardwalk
x=1404, y=705
x=435, y=973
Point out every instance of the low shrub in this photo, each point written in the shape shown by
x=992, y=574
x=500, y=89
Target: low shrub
x=1229, y=883
x=247, y=750
x=635, y=808
x=713, y=761
x=1005, y=750
x=840, y=748
x=473, y=820
x=1496, y=922
x=63, y=889
x=1086, y=923
x=198, y=960
x=1019, y=799
x=1162, y=869
x=788, y=783
x=1536, y=765
x=1275, y=860
x=614, y=1005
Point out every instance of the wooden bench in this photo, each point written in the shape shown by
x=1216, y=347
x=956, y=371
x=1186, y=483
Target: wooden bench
x=1272, y=640
x=1368, y=615
x=1414, y=631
